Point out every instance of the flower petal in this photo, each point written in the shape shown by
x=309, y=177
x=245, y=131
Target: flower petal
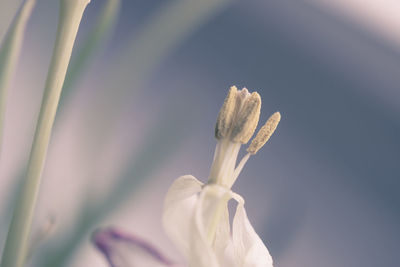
x=179, y=207
x=210, y=230
x=248, y=246
x=123, y=250
x=196, y=218
x=223, y=241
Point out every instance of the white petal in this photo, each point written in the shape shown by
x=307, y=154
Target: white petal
x=210, y=232
x=196, y=218
x=223, y=241
x=248, y=246
x=179, y=207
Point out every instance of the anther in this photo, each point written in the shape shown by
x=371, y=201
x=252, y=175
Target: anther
x=264, y=133
x=226, y=114
x=247, y=119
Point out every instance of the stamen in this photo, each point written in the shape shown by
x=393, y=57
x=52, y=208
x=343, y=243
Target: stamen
x=239, y=167
x=224, y=162
x=235, y=125
x=226, y=114
x=264, y=133
x=247, y=119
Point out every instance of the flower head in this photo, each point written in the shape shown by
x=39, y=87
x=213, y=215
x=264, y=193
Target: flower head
x=196, y=215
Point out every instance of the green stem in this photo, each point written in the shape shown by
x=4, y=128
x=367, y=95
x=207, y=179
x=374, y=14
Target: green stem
x=16, y=246
x=94, y=40
x=9, y=53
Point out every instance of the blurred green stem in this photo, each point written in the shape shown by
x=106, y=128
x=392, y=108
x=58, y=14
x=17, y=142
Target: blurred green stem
x=93, y=41
x=9, y=53
x=82, y=57
x=15, y=250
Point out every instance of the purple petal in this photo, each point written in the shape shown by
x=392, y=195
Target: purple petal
x=125, y=250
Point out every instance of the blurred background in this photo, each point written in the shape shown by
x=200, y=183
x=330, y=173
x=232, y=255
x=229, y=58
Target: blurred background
x=325, y=190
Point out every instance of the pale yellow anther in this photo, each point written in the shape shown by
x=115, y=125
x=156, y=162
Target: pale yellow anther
x=235, y=126
x=247, y=119
x=226, y=114
x=264, y=133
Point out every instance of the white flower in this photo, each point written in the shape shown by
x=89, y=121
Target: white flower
x=196, y=215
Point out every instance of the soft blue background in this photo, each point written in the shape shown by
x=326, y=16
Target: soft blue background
x=325, y=191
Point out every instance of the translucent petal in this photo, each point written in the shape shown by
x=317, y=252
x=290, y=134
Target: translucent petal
x=249, y=249
x=123, y=250
x=179, y=207
x=223, y=244
x=210, y=232
x=196, y=218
